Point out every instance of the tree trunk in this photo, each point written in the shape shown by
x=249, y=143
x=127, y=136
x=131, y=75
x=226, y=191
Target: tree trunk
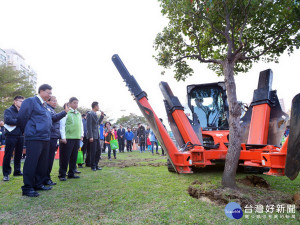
x=234, y=149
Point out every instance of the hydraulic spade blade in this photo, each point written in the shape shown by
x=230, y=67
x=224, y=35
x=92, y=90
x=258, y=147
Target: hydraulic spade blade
x=292, y=164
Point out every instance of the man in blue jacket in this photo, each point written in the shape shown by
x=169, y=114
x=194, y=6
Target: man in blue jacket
x=55, y=135
x=129, y=136
x=35, y=121
x=14, y=140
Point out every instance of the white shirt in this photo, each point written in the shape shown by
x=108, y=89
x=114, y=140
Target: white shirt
x=40, y=98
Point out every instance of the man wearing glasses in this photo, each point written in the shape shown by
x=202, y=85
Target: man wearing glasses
x=14, y=140
x=35, y=121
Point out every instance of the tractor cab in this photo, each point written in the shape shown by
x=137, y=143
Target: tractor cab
x=208, y=103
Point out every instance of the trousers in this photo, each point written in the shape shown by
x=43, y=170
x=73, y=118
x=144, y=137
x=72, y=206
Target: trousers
x=95, y=152
x=35, y=166
x=52, y=149
x=12, y=143
x=121, y=142
x=129, y=146
x=68, y=157
x=109, y=152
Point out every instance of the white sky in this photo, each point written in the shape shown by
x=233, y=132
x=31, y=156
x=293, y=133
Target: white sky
x=70, y=43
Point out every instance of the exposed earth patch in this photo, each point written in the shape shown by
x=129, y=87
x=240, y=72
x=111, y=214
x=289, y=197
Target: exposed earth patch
x=132, y=162
x=252, y=190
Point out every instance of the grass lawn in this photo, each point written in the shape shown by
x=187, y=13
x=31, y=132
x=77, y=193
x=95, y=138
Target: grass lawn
x=136, y=194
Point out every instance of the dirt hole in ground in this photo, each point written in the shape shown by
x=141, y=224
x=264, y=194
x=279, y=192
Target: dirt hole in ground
x=251, y=191
x=132, y=162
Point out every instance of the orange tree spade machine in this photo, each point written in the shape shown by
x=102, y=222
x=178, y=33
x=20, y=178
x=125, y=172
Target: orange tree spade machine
x=204, y=140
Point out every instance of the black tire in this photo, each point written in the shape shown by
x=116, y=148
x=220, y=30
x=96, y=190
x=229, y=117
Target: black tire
x=170, y=166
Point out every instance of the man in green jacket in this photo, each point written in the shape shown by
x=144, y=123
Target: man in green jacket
x=71, y=131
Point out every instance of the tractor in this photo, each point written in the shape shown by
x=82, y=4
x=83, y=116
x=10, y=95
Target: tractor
x=204, y=139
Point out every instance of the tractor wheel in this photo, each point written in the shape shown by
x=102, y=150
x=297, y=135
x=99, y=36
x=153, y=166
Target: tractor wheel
x=170, y=166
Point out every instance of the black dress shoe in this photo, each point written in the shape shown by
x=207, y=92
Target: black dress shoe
x=94, y=169
x=73, y=177
x=6, y=178
x=62, y=179
x=98, y=168
x=42, y=188
x=76, y=171
x=30, y=193
x=50, y=182
x=19, y=173
x=80, y=166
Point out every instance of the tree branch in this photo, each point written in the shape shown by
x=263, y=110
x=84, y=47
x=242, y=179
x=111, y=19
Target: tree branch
x=199, y=58
x=280, y=32
x=232, y=35
x=263, y=52
x=236, y=51
x=226, y=32
x=212, y=25
x=200, y=55
x=245, y=21
x=231, y=10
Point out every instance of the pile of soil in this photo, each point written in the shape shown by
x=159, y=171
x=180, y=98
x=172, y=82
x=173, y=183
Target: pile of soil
x=220, y=196
x=254, y=181
x=296, y=199
x=252, y=190
x=132, y=162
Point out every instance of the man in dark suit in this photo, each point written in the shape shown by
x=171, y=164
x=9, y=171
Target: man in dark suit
x=93, y=123
x=14, y=140
x=36, y=122
x=55, y=135
x=121, y=138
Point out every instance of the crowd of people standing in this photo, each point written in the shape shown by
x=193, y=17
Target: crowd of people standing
x=34, y=124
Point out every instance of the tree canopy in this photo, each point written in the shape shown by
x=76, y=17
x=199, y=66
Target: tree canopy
x=13, y=83
x=211, y=30
x=131, y=121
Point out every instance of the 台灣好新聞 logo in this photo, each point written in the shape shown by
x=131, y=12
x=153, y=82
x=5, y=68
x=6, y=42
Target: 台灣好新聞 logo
x=233, y=211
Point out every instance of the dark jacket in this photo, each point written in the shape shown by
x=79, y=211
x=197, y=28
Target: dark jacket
x=56, y=117
x=141, y=133
x=35, y=120
x=84, y=128
x=121, y=132
x=108, y=136
x=92, y=125
x=10, y=118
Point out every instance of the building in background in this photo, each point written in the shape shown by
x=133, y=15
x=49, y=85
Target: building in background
x=3, y=57
x=17, y=61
